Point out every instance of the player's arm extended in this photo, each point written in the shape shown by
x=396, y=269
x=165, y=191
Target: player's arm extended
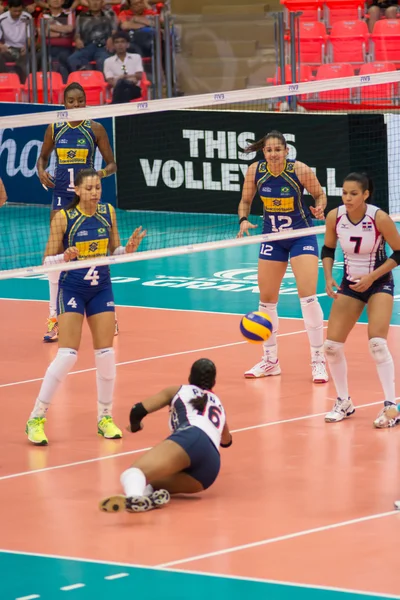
x=309, y=180
x=248, y=193
x=58, y=227
x=103, y=144
x=226, y=437
x=330, y=241
x=151, y=404
x=388, y=229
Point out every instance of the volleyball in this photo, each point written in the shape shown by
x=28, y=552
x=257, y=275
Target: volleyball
x=256, y=327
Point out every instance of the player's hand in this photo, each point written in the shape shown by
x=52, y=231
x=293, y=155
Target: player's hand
x=331, y=287
x=136, y=429
x=317, y=212
x=71, y=253
x=363, y=283
x=46, y=179
x=244, y=228
x=135, y=239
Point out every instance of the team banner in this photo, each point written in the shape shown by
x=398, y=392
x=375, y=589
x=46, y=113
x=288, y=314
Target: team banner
x=194, y=161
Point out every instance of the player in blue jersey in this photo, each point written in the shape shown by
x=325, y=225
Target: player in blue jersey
x=75, y=145
x=188, y=461
x=86, y=230
x=280, y=183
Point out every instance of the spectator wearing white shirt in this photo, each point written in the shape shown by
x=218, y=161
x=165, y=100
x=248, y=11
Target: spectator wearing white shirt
x=14, y=36
x=123, y=71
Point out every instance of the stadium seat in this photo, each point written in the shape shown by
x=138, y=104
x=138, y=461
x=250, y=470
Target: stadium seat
x=93, y=83
x=10, y=88
x=342, y=10
x=334, y=71
x=348, y=42
x=54, y=85
x=386, y=41
x=313, y=38
x=384, y=93
x=305, y=74
x=312, y=10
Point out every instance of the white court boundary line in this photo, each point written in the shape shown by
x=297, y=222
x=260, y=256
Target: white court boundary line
x=129, y=452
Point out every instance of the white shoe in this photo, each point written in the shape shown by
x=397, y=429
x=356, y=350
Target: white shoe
x=319, y=372
x=341, y=410
x=264, y=368
x=383, y=420
x=397, y=505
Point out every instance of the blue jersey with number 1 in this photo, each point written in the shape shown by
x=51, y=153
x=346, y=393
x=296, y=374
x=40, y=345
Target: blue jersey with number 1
x=91, y=235
x=282, y=197
x=75, y=149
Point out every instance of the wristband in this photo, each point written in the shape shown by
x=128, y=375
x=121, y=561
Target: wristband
x=242, y=219
x=54, y=260
x=104, y=172
x=119, y=250
x=138, y=412
x=395, y=256
x=226, y=445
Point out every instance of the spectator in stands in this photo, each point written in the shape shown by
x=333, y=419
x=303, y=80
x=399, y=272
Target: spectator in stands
x=123, y=71
x=59, y=37
x=3, y=194
x=138, y=21
x=14, y=37
x=379, y=8
x=93, y=40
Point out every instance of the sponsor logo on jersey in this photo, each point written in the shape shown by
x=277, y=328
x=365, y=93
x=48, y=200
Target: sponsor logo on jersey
x=82, y=233
x=367, y=226
x=267, y=189
x=262, y=168
x=92, y=248
x=72, y=213
x=67, y=156
x=308, y=248
x=111, y=303
x=344, y=226
x=278, y=205
x=102, y=209
x=63, y=141
x=290, y=167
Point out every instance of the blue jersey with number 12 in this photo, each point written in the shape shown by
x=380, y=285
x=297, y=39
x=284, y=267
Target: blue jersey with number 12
x=282, y=197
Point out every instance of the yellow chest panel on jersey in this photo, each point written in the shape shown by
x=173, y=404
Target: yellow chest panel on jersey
x=281, y=205
x=92, y=248
x=68, y=156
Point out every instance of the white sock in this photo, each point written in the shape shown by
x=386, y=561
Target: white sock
x=270, y=346
x=148, y=490
x=54, y=277
x=338, y=367
x=134, y=482
x=385, y=367
x=314, y=324
x=55, y=374
x=105, y=379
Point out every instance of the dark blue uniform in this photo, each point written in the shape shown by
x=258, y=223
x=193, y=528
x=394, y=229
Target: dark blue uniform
x=75, y=149
x=88, y=289
x=284, y=209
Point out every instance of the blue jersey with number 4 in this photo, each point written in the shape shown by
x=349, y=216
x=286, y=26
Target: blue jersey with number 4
x=282, y=197
x=75, y=148
x=91, y=235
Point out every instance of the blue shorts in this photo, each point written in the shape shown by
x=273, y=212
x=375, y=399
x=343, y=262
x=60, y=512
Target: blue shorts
x=384, y=285
x=281, y=250
x=205, y=460
x=91, y=301
x=61, y=200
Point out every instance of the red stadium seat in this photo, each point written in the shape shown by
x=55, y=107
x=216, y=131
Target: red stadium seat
x=334, y=71
x=348, y=42
x=10, y=88
x=384, y=93
x=305, y=74
x=54, y=85
x=93, y=83
x=313, y=38
x=343, y=10
x=312, y=10
x=386, y=41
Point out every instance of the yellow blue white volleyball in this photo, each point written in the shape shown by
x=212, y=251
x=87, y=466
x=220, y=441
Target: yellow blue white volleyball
x=256, y=327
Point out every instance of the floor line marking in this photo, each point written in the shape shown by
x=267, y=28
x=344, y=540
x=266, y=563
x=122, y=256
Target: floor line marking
x=74, y=586
x=149, y=358
x=117, y=576
x=281, y=538
x=137, y=451
x=31, y=597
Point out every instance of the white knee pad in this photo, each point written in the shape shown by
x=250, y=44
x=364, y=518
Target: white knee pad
x=334, y=351
x=105, y=363
x=63, y=363
x=379, y=350
x=271, y=309
x=312, y=312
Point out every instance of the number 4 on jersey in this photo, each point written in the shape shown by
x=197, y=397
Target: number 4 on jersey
x=93, y=276
x=72, y=302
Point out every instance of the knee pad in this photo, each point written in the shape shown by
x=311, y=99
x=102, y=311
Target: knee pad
x=105, y=363
x=63, y=363
x=379, y=350
x=333, y=351
x=312, y=311
x=271, y=309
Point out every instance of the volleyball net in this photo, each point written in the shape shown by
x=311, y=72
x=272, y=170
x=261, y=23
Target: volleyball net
x=182, y=162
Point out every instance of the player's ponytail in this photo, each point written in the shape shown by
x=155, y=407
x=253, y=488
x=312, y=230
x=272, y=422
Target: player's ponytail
x=365, y=182
x=202, y=374
x=259, y=144
x=82, y=174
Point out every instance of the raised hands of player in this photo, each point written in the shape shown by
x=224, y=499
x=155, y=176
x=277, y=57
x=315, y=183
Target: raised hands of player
x=71, y=253
x=317, y=212
x=331, y=287
x=244, y=228
x=363, y=283
x=46, y=179
x=135, y=239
